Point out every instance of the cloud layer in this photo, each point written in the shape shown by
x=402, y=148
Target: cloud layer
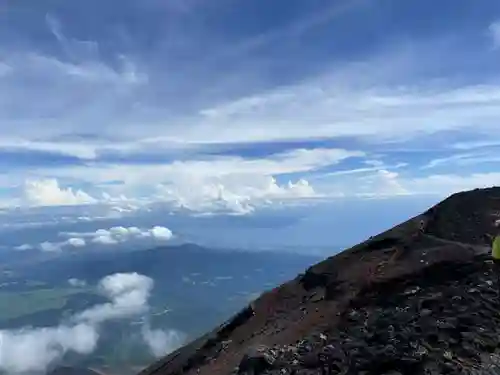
x=102, y=237
x=254, y=116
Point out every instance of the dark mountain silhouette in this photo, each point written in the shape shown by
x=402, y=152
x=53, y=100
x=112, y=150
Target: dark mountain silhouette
x=407, y=301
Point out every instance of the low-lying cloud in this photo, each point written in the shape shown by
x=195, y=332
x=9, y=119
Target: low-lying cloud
x=35, y=349
x=129, y=294
x=111, y=236
x=122, y=234
x=77, y=283
x=27, y=350
x=116, y=235
x=161, y=342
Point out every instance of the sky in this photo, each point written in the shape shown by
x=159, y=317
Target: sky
x=253, y=109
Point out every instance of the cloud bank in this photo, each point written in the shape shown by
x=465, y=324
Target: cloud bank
x=236, y=128
x=102, y=237
x=49, y=193
x=116, y=235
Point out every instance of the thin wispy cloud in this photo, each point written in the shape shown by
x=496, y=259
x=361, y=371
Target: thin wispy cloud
x=495, y=34
x=114, y=116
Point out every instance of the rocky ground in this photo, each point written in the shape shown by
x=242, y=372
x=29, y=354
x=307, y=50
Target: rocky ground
x=399, y=303
x=445, y=321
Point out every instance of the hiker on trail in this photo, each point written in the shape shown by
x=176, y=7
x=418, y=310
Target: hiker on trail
x=404, y=246
x=495, y=252
x=421, y=227
x=420, y=231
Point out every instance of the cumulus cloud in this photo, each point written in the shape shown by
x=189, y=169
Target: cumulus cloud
x=238, y=194
x=161, y=233
x=48, y=193
x=121, y=234
x=111, y=236
x=34, y=349
x=229, y=181
x=161, y=342
x=128, y=292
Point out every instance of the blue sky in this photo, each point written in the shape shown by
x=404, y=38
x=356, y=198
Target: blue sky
x=234, y=107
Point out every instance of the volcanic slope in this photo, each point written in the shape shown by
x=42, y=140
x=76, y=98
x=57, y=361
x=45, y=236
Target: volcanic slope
x=402, y=302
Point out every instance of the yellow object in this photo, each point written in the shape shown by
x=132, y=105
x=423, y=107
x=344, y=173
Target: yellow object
x=495, y=248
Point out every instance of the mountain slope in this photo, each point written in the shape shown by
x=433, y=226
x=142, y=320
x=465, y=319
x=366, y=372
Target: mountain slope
x=396, y=302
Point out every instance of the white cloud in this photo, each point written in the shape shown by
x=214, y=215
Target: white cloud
x=76, y=242
x=238, y=194
x=161, y=233
x=105, y=239
x=368, y=183
x=56, y=246
x=76, y=149
x=367, y=98
x=50, y=246
x=48, y=193
x=161, y=342
x=235, y=183
x=445, y=184
x=294, y=161
x=24, y=247
x=128, y=293
x=116, y=235
x=465, y=159
x=322, y=108
x=494, y=30
x=470, y=145
x=388, y=184
x=111, y=236
x=30, y=350
x=77, y=282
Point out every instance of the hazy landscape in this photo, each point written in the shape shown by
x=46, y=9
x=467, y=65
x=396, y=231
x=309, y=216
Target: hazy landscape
x=174, y=294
